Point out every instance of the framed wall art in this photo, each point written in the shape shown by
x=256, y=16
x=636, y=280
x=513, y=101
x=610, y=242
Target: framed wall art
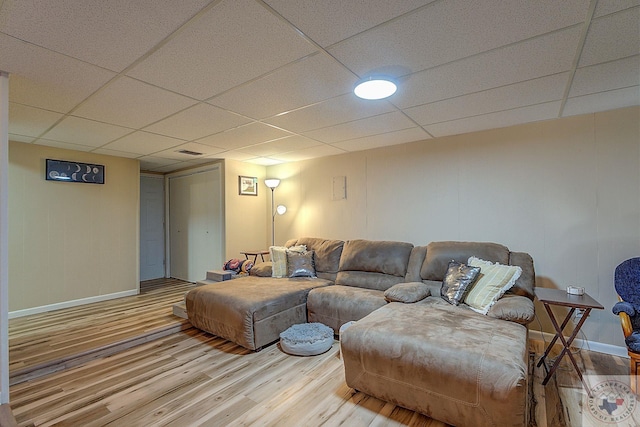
x=61, y=170
x=248, y=185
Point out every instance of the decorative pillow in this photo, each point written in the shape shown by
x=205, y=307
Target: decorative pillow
x=301, y=264
x=407, y=292
x=458, y=281
x=262, y=269
x=278, y=255
x=494, y=280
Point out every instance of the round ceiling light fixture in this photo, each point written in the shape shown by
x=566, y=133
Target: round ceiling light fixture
x=375, y=87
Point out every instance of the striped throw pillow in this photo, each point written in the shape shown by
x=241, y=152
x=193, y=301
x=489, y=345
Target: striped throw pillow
x=493, y=281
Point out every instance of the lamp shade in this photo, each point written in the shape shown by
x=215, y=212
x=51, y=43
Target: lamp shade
x=272, y=182
x=375, y=88
x=281, y=209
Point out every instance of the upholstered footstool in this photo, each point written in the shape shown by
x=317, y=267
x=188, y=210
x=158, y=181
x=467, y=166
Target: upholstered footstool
x=446, y=362
x=306, y=339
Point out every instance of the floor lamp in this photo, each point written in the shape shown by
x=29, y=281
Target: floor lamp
x=272, y=183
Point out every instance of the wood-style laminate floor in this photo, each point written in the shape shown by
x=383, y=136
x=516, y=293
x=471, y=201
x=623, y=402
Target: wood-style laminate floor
x=193, y=378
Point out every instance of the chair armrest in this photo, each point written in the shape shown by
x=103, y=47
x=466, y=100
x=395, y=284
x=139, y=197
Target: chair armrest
x=624, y=310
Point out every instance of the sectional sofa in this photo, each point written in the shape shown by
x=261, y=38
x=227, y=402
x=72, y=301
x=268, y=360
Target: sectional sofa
x=408, y=345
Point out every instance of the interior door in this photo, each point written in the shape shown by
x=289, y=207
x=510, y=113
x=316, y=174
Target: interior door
x=152, y=244
x=195, y=224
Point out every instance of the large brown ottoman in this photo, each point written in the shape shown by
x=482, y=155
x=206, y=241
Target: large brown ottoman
x=446, y=362
x=251, y=311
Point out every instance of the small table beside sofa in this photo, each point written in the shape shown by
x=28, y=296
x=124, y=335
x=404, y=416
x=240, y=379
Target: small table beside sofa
x=446, y=361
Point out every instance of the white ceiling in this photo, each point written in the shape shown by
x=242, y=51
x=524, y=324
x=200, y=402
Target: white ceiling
x=271, y=81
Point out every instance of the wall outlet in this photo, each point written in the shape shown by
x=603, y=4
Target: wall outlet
x=579, y=313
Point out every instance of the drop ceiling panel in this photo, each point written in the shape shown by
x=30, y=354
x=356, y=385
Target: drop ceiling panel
x=282, y=145
x=116, y=153
x=21, y=138
x=602, y=101
x=131, y=103
x=30, y=121
x=45, y=79
x=496, y=120
x=143, y=143
x=96, y=31
x=76, y=130
x=369, y=126
x=243, y=136
x=197, y=122
x=174, y=153
x=542, y=56
x=383, y=140
x=449, y=30
x=612, y=37
x=233, y=42
x=63, y=145
x=334, y=111
x=233, y=155
x=602, y=77
x=308, y=153
x=605, y=7
x=152, y=162
x=517, y=95
x=327, y=22
x=310, y=80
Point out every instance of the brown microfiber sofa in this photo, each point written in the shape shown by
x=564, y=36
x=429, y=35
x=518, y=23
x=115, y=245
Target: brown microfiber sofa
x=445, y=361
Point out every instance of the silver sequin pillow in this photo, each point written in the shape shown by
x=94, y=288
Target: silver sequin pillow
x=458, y=282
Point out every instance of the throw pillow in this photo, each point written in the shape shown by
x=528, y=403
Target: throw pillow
x=458, y=281
x=301, y=264
x=407, y=292
x=494, y=280
x=278, y=255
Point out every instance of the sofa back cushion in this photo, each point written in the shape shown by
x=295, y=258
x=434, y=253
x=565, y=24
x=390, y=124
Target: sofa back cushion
x=439, y=254
x=327, y=254
x=373, y=264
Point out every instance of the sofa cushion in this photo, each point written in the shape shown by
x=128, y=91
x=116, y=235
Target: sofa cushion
x=493, y=282
x=336, y=305
x=376, y=257
x=458, y=281
x=440, y=253
x=409, y=292
x=526, y=282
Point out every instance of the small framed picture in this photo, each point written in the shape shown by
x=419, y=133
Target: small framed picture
x=248, y=185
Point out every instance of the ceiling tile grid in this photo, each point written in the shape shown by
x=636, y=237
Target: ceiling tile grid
x=270, y=81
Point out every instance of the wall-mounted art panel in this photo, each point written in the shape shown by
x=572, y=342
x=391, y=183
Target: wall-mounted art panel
x=61, y=170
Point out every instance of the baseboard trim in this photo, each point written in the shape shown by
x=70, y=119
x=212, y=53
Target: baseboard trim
x=598, y=347
x=72, y=303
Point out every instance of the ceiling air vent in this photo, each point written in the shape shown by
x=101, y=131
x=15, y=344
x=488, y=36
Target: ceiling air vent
x=190, y=153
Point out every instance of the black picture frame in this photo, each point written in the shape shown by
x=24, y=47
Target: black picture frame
x=66, y=171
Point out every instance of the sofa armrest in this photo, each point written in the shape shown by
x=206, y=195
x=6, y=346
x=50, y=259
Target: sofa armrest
x=513, y=308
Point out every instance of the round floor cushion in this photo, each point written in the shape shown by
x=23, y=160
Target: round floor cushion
x=306, y=339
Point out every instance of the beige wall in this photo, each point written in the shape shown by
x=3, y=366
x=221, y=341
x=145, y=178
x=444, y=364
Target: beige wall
x=247, y=224
x=567, y=191
x=70, y=241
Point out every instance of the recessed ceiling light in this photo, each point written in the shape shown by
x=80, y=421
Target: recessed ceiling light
x=375, y=88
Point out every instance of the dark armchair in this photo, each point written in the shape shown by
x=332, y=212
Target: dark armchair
x=627, y=284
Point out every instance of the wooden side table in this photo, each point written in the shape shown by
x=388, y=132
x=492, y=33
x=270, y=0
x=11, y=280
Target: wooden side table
x=255, y=254
x=560, y=297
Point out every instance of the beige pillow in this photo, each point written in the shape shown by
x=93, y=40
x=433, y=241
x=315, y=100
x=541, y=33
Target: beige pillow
x=493, y=281
x=278, y=255
x=407, y=292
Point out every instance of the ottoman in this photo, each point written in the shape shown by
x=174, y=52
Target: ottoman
x=306, y=339
x=447, y=362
